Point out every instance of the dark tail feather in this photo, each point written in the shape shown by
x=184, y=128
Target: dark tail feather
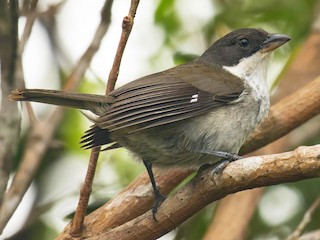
x=96, y=137
x=97, y=104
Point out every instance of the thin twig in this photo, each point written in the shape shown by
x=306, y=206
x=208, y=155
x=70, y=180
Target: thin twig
x=29, y=7
x=84, y=62
x=41, y=135
x=77, y=223
x=127, y=24
x=76, y=228
x=29, y=10
x=31, y=17
x=305, y=220
x=31, y=115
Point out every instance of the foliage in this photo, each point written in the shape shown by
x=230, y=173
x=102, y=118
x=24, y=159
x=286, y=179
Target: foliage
x=293, y=17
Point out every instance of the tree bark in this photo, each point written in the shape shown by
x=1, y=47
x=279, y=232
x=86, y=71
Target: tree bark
x=252, y=172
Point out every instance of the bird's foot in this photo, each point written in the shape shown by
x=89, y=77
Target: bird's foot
x=159, y=198
x=221, y=165
x=226, y=159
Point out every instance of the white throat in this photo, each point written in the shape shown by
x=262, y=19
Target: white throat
x=253, y=70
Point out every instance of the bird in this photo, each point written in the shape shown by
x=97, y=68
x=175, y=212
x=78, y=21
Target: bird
x=197, y=113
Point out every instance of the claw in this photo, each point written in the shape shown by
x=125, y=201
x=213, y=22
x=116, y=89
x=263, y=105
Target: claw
x=158, y=201
x=219, y=167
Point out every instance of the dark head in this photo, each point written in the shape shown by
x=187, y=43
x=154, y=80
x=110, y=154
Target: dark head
x=240, y=44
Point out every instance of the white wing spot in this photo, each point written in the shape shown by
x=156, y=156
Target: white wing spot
x=194, y=98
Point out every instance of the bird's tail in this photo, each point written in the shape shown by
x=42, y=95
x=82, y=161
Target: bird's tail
x=95, y=103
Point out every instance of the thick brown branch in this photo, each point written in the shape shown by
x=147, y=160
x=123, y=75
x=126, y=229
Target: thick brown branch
x=252, y=172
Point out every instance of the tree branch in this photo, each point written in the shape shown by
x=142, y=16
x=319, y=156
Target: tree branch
x=305, y=220
x=127, y=24
x=77, y=222
x=41, y=135
x=30, y=10
x=249, y=173
x=10, y=78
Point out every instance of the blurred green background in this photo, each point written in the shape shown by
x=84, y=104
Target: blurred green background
x=166, y=32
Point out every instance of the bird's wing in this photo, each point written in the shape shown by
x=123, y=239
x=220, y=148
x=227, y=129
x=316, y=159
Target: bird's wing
x=176, y=94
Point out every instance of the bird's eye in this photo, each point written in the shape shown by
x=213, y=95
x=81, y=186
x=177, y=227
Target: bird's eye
x=243, y=42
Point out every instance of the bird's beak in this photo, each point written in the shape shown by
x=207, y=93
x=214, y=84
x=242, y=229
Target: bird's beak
x=273, y=41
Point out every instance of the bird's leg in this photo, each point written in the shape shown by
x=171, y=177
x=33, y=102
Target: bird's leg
x=226, y=159
x=159, y=198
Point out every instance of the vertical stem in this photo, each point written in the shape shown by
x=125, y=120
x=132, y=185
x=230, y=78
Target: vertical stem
x=77, y=223
x=127, y=24
x=9, y=80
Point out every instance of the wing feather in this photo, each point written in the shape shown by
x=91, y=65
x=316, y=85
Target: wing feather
x=163, y=98
x=159, y=104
